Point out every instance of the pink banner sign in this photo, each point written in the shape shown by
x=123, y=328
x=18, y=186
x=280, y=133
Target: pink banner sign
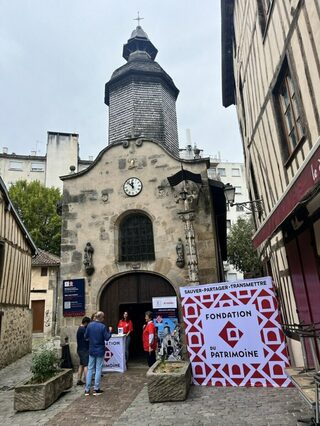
x=234, y=335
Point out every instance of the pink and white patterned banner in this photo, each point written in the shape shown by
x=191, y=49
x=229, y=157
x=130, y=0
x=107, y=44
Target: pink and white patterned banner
x=234, y=335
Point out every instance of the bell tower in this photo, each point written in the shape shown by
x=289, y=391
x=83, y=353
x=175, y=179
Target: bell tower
x=142, y=97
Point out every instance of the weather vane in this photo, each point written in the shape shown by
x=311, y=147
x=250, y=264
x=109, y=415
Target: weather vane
x=138, y=19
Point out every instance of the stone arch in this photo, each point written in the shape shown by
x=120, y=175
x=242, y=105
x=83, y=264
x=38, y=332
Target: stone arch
x=133, y=292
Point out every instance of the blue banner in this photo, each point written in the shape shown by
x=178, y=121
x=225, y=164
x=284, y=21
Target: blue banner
x=73, y=297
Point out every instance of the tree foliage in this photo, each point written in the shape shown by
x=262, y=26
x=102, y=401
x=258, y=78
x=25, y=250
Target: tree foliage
x=240, y=249
x=36, y=206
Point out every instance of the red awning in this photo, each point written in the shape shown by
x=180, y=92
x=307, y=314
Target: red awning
x=303, y=183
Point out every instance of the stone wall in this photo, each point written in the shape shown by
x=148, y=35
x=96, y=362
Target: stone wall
x=94, y=205
x=15, y=333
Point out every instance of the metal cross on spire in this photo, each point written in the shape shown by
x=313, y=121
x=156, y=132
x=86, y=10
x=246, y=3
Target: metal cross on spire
x=138, y=19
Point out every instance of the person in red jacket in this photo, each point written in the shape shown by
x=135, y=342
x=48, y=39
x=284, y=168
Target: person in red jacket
x=149, y=339
x=126, y=324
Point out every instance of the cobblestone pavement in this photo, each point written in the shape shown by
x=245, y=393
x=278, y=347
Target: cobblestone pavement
x=119, y=391
x=125, y=402
x=220, y=407
x=19, y=372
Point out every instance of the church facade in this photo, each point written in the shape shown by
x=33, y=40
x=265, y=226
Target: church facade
x=139, y=222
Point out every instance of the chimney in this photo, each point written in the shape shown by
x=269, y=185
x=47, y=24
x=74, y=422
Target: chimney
x=188, y=135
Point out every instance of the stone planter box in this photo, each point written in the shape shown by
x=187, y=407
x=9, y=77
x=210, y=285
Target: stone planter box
x=39, y=396
x=171, y=385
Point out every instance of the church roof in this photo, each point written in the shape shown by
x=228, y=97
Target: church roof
x=140, y=54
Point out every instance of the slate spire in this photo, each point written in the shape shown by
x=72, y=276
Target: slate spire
x=139, y=42
x=141, y=96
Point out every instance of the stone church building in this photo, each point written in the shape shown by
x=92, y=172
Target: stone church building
x=139, y=222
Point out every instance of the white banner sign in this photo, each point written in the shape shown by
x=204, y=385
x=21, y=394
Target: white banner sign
x=234, y=334
x=114, y=357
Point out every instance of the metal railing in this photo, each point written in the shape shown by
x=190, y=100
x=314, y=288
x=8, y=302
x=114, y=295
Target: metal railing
x=308, y=335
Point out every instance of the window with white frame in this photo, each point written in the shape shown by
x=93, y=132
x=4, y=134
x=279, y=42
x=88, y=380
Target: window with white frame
x=222, y=171
x=37, y=167
x=15, y=165
x=235, y=172
x=238, y=190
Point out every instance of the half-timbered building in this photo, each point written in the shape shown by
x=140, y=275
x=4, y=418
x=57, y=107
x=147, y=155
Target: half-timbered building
x=271, y=72
x=16, y=251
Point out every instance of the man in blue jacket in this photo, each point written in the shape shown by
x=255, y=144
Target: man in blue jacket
x=97, y=334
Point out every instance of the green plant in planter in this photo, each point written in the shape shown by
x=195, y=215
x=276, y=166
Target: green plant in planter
x=45, y=365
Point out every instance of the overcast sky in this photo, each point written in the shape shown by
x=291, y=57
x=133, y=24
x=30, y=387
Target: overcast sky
x=57, y=55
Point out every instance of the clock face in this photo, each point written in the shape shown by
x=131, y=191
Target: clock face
x=132, y=186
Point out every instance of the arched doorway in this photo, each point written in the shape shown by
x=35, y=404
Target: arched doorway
x=133, y=293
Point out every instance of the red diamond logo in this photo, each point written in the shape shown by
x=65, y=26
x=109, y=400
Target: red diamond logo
x=231, y=334
x=108, y=355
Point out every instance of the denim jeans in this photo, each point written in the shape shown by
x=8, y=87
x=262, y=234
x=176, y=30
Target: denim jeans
x=128, y=338
x=95, y=363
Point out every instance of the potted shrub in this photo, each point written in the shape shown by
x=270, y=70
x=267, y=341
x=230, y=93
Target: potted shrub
x=169, y=378
x=47, y=383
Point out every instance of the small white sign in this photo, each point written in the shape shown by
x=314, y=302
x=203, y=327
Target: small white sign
x=164, y=302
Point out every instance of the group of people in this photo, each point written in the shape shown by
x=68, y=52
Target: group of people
x=92, y=336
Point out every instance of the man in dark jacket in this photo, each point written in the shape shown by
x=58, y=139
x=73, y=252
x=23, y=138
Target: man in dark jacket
x=97, y=334
x=82, y=350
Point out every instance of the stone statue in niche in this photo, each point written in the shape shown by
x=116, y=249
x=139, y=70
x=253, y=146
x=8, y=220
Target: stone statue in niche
x=88, y=262
x=180, y=254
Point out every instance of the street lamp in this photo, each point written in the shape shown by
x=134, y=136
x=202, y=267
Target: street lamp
x=253, y=206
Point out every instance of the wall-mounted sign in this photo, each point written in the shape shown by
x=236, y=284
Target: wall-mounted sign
x=234, y=335
x=164, y=302
x=73, y=297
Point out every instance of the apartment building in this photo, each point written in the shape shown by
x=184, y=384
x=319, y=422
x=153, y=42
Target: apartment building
x=62, y=157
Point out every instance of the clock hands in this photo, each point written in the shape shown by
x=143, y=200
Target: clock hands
x=132, y=186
